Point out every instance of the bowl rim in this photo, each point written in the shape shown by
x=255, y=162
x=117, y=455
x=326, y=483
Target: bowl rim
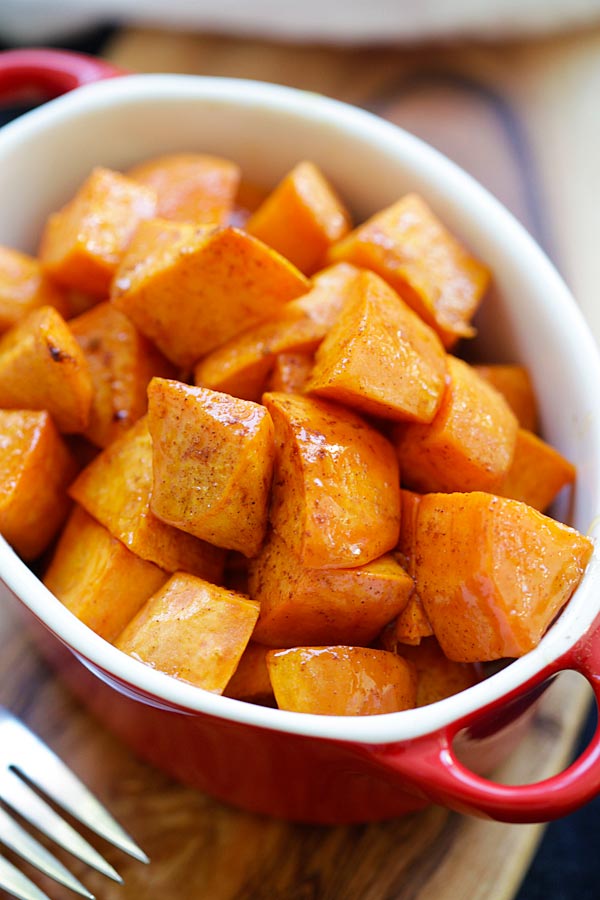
x=164, y=691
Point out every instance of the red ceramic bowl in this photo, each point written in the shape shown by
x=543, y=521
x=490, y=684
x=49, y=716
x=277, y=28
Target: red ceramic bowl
x=306, y=767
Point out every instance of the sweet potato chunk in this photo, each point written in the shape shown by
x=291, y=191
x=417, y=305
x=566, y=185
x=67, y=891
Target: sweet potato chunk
x=341, y=681
x=380, y=357
x=189, y=288
x=251, y=681
x=323, y=606
x=241, y=366
x=537, y=473
x=192, y=187
x=437, y=676
x=23, y=287
x=83, y=243
x=102, y=582
x=412, y=250
x=213, y=464
x=410, y=627
x=336, y=490
x=36, y=469
x=514, y=383
x=493, y=573
x=412, y=624
x=116, y=488
x=192, y=630
x=301, y=218
x=469, y=445
x=43, y=367
x=290, y=373
x=121, y=363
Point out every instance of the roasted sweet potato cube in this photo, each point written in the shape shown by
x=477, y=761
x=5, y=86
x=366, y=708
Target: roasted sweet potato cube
x=102, y=582
x=409, y=628
x=380, y=357
x=537, y=473
x=437, y=676
x=290, y=373
x=470, y=443
x=247, y=200
x=192, y=187
x=189, y=288
x=413, y=251
x=36, y=469
x=514, y=383
x=341, y=681
x=116, y=488
x=121, y=362
x=192, y=630
x=493, y=573
x=213, y=464
x=301, y=218
x=300, y=606
x=336, y=489
x=43, y=367
x=25, y=286
x=242, y=365
x=251, y=681
x=83, y=243
x=412, y=623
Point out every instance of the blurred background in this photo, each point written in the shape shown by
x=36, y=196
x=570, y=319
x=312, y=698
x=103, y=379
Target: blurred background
x=509, y=89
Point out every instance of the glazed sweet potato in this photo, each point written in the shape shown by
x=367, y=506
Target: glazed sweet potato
x=493, y=573
x=102, y=582
x=212, y=464
x=336, y=490
x=537, y=473
x=24, y=286
x=341, y=681
x=190, y=187
x=192, y=630
x=242, y=365
x=189, y=288
x=83, y=243
x=514, y=383
x=438, y=676
x=412, y=250
x=380, y=357
x=36, y=469
x=121, y=362
x=290, y=373
x=469, y=445
x=251, y=681
x=412, y=624
x=259, y=533
x=43, y=367
x=300, y=606
x=301, y=218
x=409, y=628
x=116, y=488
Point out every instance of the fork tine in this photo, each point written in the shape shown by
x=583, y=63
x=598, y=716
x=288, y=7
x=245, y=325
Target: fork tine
x=18, y=885
x=59, y=783
x=17, y=839
x=20, y=797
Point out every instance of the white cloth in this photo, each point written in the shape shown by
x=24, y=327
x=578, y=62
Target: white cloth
x=332, y=21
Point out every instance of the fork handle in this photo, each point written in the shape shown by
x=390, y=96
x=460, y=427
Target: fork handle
x=48, y=73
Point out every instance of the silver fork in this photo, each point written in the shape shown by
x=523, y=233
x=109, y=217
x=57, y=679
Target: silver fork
x=25, y=758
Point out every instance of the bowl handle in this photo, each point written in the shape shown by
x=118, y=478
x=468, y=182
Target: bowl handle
x=48, y=72
x=431, y=764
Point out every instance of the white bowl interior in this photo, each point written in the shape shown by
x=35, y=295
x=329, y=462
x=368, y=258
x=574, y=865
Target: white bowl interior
x=529, y=317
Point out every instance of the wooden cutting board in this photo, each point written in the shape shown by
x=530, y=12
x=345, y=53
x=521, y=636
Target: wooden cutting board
x=523, y=119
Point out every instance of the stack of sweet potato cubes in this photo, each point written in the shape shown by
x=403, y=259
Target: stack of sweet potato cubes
x=233, y=431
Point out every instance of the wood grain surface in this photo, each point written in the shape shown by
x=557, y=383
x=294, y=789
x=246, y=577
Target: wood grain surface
x=514, y=116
